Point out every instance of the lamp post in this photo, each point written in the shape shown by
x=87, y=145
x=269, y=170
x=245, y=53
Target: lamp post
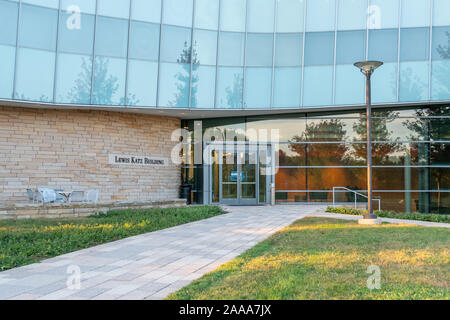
x=367, y=68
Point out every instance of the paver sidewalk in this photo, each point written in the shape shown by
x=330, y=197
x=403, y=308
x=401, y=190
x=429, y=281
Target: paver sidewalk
x=152, y=265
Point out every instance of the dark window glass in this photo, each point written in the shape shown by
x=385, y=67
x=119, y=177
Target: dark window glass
x=319, y=48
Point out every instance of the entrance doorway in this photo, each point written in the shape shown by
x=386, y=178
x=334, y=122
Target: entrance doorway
x=239, y=174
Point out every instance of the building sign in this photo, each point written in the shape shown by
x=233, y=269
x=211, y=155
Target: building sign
x=130, y=160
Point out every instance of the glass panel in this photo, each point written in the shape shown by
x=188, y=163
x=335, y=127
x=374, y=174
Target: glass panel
x=320, y=15
x=413, y=81
x=424, y=202
x=327, y=178
x=232, y=15
x=175, y=91
x=35, y=72
x=441, y=43
x=411, y=154
x=178, y=13
x=292, y=154
x=350, y=47
x=259, y=49
x=8, y=22
x=288, y=127
x=286, y=91
x=114, y=8
x=144, y=41
x=109, y=81
x=290, y=179
x=260, y=15
x=350, y=85
x=404, y=129
x=290, y=15
x=84, y=6
x=415, y=44
x=416, y=13
x=206, y=14
x=332, y=129
x=142, y=83
x=112, y=37
x=74, y=76
x=352, y=14
x=203, y=86
x=325, y=154
x=418, y=178
x=229, y=88
x=440, y=80
x=383, y=14
x=258, y=83
x=288, y=49
x=229, y=191
x=440, y=13
x=229, y=166
x=38, y=27
x=7, y=59
x=317, y=86
x=73, y=39
x=146, y=10
x=290, y=197
x=249, y=166
x=319, y=48
x=43, y=3
x=175, y=44
x=384, y=83
x=231, y=42
x=205, y=46
x=248, y=191
x=383, y=45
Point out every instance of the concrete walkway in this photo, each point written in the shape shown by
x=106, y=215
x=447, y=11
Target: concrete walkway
x=153, y=265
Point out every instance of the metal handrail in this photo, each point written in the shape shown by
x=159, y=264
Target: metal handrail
x=356, y=194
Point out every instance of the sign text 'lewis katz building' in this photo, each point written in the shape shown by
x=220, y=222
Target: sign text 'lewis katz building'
x=109, y=95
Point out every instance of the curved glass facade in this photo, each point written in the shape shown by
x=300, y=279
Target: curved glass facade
x=223, y=54
x=318, y=151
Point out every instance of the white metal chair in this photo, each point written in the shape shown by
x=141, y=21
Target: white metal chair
x=47, y=195
x=77, y=196
x=31, y=195
x=92, y=196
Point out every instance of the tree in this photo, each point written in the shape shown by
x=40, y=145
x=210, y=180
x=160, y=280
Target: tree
x=181, y=98
x=105, y=85
x=323, y=154
x=235, y=94
x=380, y=132
x=441, y=74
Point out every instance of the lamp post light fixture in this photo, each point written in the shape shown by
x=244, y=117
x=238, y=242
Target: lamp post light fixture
x=367, y=68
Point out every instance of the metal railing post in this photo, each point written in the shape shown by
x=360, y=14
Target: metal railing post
x=334, y=199
x=356, y=194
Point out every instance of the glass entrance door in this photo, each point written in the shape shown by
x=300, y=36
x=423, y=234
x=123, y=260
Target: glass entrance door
x=238, y=181
x=240, y=175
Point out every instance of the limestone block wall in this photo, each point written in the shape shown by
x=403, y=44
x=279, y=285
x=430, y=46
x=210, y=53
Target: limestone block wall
x=70, y=149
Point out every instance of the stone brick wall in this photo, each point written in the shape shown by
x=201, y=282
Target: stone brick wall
x=69, y=150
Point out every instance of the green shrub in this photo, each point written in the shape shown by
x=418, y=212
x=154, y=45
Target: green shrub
x=395, y=215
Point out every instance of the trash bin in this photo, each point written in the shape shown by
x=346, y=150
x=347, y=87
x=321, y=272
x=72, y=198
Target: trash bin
x=185, y=192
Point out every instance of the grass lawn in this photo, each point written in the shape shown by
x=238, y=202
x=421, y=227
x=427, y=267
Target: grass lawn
x=325, y=258
x=27, y=241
